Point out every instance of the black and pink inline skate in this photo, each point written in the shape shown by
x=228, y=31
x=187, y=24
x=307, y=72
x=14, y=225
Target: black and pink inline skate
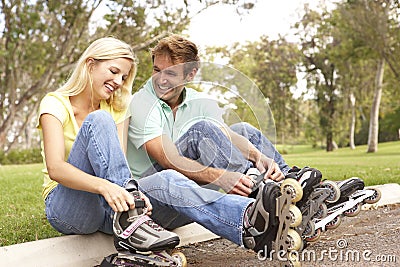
x=141, y=242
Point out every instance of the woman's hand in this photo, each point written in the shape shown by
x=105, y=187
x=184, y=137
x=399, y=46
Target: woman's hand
x=120, y=199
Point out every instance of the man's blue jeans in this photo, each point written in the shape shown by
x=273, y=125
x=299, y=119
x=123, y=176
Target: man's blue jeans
x=178, y=201
x=207, y=144
x=97, y=151
x=261, y=142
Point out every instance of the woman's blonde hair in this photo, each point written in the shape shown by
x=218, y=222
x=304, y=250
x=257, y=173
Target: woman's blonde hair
x=102, y=49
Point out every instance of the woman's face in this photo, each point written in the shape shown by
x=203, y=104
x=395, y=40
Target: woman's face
x=108, y=76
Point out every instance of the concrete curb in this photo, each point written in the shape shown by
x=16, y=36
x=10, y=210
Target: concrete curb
x=390, y=195
x=81, y=250
x=89, y=250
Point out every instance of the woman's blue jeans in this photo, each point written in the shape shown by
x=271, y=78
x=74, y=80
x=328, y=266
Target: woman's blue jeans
x=178, y=201
x=97, y=151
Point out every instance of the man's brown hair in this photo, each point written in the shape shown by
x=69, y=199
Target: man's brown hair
x=179, y=49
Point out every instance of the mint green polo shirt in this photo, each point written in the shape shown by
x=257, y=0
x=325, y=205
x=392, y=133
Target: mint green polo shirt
x=152, y=117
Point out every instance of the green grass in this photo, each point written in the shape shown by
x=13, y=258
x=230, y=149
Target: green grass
x=22, y=216
x=374, y=168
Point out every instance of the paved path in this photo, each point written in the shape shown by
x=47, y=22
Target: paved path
x=89, y=250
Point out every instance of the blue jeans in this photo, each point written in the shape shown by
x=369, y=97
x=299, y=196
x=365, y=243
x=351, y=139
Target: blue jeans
x=261, y=142
x=178, y=201
x=97, y=151
x=208, y=145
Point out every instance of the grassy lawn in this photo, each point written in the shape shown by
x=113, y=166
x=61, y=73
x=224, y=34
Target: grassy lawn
x=374, y=168
x=22, y=215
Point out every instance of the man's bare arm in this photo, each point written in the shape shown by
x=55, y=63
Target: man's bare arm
x=164, y=151
x=250, y=152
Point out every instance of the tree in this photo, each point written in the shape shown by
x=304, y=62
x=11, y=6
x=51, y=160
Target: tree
x=272, y=65
x=371, y=23
x=319, y=48
x=41, y=40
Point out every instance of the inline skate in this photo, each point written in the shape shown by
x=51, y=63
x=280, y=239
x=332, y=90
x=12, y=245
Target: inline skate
x=317, y=196
x=273, y=217
x=141, y=242
x=353, y=196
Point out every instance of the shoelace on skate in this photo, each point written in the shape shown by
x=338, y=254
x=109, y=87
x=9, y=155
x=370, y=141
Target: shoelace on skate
x=141, y=219
x=134, y=217
x=155, y=226
x=134, y=225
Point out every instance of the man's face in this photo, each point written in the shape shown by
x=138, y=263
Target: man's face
x=168, y=79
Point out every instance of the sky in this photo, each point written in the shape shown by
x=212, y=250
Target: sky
x=220, y=24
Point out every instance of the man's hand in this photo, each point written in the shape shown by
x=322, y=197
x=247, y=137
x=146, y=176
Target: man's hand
x=235, y=183
x=270, y=167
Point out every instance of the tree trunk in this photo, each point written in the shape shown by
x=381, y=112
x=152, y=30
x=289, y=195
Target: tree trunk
x=329, y=141
x=374, y=117
x=353, y=121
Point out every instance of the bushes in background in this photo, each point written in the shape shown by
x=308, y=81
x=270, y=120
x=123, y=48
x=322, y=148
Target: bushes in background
x=21, y=156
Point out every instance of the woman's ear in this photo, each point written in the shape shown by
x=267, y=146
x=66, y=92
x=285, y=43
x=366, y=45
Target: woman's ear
x=90, y=63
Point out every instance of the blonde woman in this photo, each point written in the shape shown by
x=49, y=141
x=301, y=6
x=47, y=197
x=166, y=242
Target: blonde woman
x=86, y=176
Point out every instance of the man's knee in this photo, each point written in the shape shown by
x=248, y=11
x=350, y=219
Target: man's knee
x=243, y=128
x=202, y=125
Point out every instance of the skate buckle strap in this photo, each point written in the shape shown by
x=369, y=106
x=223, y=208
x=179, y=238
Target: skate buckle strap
x=133, y=226
x=253, y=231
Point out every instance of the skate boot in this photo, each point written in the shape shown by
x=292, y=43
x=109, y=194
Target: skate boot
x=270, y=219
x=353, y=196
x=347, y=188
x=140, y=241
x=317, y=195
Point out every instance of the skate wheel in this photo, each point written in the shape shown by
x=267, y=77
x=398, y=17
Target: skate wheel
x=334, y=195
x=315, y=237
x=309, y=229
x=354, y=211
x=295, y=241
x=179, y=258
x=374, y=198
x=294, y=187
x=295, y=215
x=293, y=260
x=334, y=223
x=322, y=211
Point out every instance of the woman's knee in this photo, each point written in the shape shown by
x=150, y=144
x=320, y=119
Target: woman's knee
x=100, y=117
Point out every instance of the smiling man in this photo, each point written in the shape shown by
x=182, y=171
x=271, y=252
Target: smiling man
x=173, y=126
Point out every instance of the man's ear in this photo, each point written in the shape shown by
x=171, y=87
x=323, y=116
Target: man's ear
x=191, y=75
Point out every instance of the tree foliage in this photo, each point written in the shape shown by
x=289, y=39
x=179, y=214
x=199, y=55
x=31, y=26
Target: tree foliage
x=42, y=39
x=350, y=54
